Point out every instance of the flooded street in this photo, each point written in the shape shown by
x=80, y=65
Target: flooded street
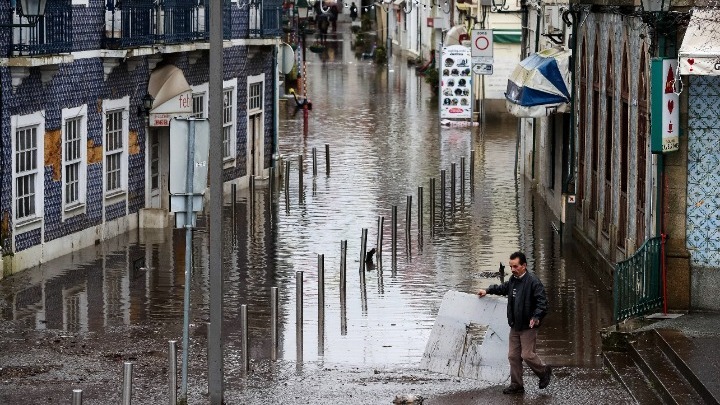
x=385, y=141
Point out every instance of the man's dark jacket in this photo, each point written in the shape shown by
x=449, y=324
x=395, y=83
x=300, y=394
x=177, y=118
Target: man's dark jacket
x=527, y=302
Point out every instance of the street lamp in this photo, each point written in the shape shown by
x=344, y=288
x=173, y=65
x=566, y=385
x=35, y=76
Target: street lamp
x=303, y=7
x=388, y=44
x=32, y=10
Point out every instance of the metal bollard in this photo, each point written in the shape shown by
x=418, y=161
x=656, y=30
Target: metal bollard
x=327, y=159
x=77, y=396
x=462, y=179
x=251, y=198
x=432, y=205
x=452, y=186
x=420, y=210
x=393, y=234
x=233, y=196
x=300, y=176
x=273, y=323
x=299, y=315
x=127, y=383
x=363, y=249
x=314, y=158
x=472, y=170
x=381, y=224
x=287, y=179
x=343, y=268
x=244, y=342
x=172, y=372
x=442, y=195
x=408, y=215
x=321, y=282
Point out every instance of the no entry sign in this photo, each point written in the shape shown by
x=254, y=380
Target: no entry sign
x=481, y=43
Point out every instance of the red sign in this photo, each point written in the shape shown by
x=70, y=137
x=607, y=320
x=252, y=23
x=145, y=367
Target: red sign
x=430, y=22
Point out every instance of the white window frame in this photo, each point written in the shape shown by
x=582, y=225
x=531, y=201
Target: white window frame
x=79, y=206
x=255, y=80
x=201, y=89
x=20, y=122
x=230, y=85
x=110, y=106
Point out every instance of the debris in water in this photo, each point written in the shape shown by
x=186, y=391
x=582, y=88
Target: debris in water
x=408, y=399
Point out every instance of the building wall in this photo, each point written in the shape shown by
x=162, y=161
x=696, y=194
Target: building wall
x=703, y=195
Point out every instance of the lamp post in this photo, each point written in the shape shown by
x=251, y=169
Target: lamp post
x=388, y=43
x=32, y=10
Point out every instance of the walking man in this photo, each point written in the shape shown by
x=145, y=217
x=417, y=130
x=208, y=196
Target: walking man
x=527, y=306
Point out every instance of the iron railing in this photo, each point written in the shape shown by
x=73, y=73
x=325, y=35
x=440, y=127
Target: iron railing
x=51, y=35
x=637, y=281
x=130, y=24
x=264, y=22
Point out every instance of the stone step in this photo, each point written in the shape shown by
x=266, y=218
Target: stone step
x=696, y=360
x=623, y=367
x=659, y=369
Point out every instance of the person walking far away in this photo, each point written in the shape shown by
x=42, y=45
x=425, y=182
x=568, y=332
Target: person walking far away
x=353, y=11
x=527, y=306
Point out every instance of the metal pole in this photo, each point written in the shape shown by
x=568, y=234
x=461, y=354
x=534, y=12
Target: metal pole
x=432, y=205
x=321, y=282
x=215, y=263
x=300, y=177
x=394, y=234
x=408, y=215
x=77, y=396
x=172, y=372
x=244, y=342
x=233, y=193
x=314, y=157
x=343, y=267
x=286, y=180
x=363, y=249
x=462, y=179
x=452, y=186
x=127, y=383
x=420, y=210
x=381, y=223
x=327, y=159
x=251, y=199
x=442, y=195
x=472, y=171
x=299, y=314
x=188, y=255
x=274, y=322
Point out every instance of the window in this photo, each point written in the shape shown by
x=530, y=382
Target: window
x=198, y=105
x=255, y=96
x=228, y=121
x=74, y=169
x=27, y=164
x=116, y=147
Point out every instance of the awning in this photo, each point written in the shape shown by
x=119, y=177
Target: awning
x=166, y=83
x=507, y=36
x=399, y=3
x=700, y=50
x=539, y=85
x=455, y=35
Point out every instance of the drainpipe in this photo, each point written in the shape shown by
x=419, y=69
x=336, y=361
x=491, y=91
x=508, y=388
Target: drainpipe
x=571, y=138
x=535, y=120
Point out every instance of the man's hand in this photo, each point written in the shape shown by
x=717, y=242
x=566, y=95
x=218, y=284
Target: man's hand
x=482, y=292
x=534, y=322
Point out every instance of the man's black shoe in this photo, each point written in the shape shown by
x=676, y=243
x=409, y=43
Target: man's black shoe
x=545, y=379
x=514, y=389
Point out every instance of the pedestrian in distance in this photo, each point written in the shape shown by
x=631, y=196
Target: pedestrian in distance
x=353, y=11
x=526, y=308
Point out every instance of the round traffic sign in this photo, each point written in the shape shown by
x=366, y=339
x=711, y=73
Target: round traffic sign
x=482, y=42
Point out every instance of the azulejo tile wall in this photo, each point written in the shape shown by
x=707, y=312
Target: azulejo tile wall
x=703, y=196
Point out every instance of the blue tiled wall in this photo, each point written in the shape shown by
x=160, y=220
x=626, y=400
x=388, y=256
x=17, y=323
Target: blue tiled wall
x=703, y=195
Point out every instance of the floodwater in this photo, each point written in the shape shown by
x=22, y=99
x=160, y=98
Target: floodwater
x=381, y=126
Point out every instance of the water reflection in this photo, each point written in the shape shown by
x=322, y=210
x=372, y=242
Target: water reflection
x=386, y=143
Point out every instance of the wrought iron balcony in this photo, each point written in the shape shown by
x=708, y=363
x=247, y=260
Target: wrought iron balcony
x=130, y=24
x=264, y=22
x=51, y=35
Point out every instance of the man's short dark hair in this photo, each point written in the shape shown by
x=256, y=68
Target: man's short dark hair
x=519, y=255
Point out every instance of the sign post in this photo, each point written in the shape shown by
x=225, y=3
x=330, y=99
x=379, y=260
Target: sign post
x=188, y=180
x=481, y=51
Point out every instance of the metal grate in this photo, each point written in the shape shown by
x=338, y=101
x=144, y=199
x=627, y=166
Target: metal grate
x=637, y=286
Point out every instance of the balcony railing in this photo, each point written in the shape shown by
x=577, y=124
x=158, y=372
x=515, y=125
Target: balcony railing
x=637, y=281
x=130, y=24
x=51, y=35
x=264, y=22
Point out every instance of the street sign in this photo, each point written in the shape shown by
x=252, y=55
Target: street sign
x=481, y=43
x=483, y=69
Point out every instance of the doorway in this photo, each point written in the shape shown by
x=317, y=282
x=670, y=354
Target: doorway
x=158, y=163
x=257, y=144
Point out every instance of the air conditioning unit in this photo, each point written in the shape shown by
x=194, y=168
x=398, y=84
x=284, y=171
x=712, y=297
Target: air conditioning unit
x=553, y=20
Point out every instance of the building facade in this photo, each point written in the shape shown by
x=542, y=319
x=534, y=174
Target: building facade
x=84, y=159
